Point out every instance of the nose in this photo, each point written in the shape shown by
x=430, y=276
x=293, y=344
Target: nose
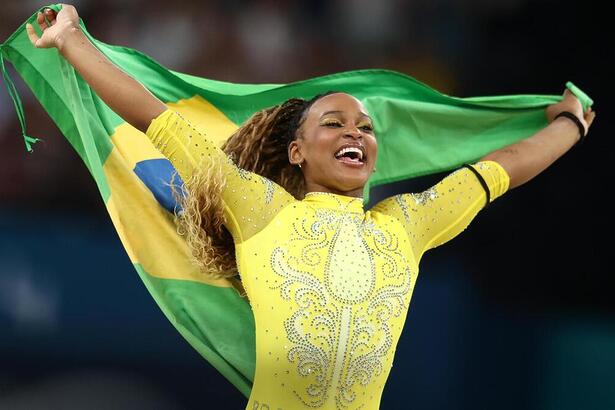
x=353, y=132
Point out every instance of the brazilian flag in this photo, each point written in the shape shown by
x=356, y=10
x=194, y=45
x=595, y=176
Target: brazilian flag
x=420, y=131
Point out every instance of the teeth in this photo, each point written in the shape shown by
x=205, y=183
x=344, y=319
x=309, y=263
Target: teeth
x=350, y=149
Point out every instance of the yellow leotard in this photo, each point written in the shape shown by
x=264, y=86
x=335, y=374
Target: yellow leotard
x=329, y=283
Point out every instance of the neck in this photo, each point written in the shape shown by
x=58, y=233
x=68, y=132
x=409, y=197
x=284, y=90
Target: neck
x=312, y=187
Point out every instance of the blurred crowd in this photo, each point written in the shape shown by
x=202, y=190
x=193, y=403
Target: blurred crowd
x=516, y=313
x=262, y=41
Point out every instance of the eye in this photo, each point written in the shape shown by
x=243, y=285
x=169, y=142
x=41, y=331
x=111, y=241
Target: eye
x=367, y=128
x=331, y=123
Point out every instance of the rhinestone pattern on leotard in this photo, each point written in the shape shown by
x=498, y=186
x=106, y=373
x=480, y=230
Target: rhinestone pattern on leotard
x=339, y=331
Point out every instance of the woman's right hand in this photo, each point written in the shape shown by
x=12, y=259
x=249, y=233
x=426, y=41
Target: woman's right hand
x=53, y=32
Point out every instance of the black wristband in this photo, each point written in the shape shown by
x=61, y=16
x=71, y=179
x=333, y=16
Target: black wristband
x=481, y=180
x=574, y=118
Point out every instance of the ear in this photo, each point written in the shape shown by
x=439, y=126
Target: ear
x=294, y=153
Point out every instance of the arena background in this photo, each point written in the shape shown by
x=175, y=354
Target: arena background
x=516, y=313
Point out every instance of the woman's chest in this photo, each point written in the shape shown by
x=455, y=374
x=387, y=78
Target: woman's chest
x=342, y=257
x=330, y=292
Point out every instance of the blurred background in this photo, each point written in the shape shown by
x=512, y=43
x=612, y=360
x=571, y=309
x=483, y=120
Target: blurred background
x=517, y=312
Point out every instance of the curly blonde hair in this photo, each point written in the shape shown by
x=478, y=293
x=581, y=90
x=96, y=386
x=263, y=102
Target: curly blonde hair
x=260, y=145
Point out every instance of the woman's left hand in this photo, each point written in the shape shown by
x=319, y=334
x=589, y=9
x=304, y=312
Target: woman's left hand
x=571, y=103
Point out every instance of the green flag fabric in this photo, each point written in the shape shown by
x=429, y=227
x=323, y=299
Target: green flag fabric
x=419, y=130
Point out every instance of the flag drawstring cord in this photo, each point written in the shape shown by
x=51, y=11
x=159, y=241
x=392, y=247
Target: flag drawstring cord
x=10, y=86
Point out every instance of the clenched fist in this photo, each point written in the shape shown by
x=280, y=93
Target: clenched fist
x=54, y=27
x=571, y=103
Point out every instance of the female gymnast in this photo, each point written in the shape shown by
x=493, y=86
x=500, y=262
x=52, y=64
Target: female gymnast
x=329, y=283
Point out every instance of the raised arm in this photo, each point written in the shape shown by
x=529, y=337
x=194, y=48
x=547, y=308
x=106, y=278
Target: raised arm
x=250, y=201
x=116, y=88
x=528, y=158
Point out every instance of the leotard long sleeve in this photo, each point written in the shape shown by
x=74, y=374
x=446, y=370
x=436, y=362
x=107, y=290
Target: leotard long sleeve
x=329, y=283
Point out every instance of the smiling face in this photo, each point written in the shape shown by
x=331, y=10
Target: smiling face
x=334, y=122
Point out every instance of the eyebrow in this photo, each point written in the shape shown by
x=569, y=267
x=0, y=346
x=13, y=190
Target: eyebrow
x=341, y=112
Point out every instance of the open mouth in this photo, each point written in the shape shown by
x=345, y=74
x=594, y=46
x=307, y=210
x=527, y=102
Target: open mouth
x=351, y=155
